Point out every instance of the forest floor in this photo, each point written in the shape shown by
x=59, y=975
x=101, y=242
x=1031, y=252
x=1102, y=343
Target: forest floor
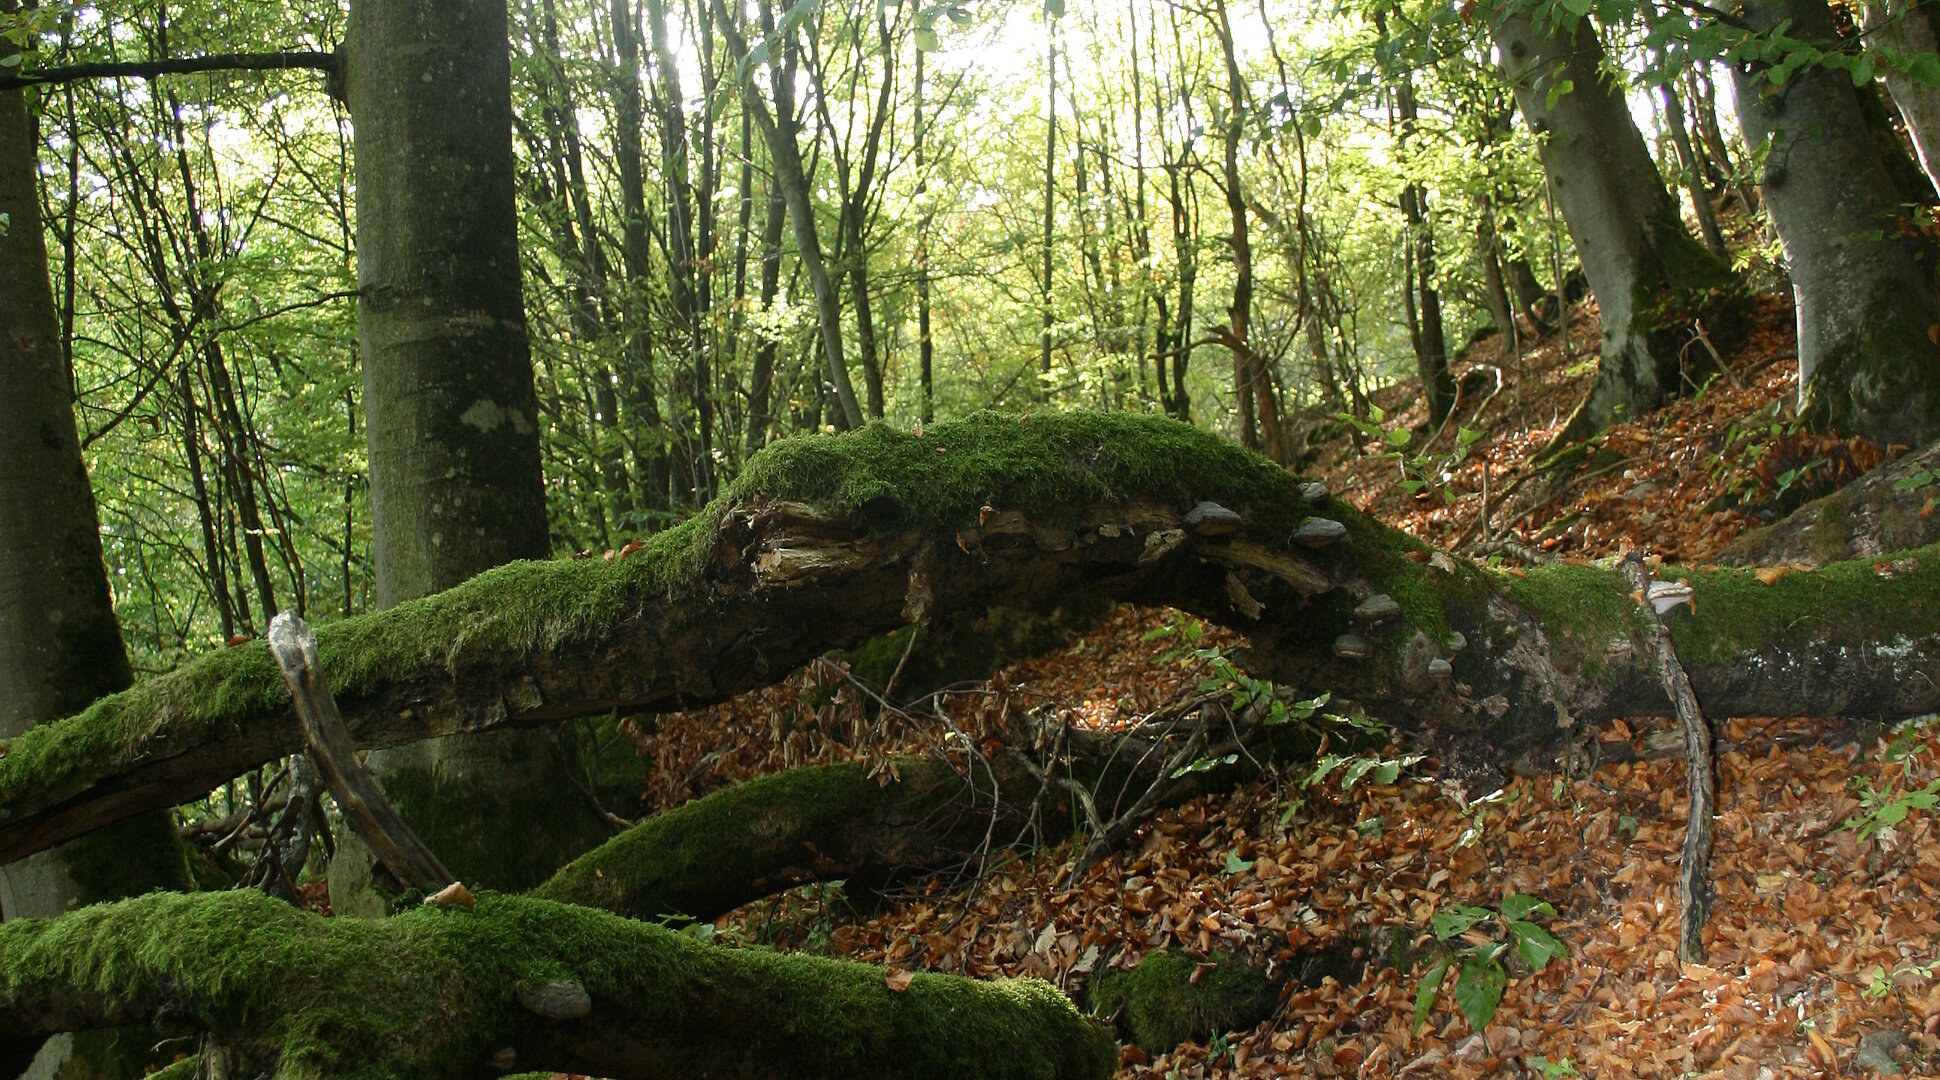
x=1823, y=944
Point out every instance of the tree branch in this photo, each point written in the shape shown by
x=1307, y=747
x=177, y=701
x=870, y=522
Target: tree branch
x=152, y=69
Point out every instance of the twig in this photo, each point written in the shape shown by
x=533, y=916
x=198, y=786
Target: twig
x=1693, y=879
x=369, y=814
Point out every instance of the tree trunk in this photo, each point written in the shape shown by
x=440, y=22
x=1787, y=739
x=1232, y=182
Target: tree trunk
x=1868, y=362
x=925, y=345
x=1252, y=382
x=1650, y=278
x=1909, y=27
x=1050, y=193
x=780, y=130
x=824, y=542
x=60, y=645
x=1431, y=340
x=450, y=414
x=516, y=984
x=1687, y=157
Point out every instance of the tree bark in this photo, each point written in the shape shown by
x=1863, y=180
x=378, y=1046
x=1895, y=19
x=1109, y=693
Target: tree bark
x=824, y=542
x=1649, y=276
x=1908, y=26
x=60, y=645
x=451, y=416
x=1868, y=361
x=517, y=984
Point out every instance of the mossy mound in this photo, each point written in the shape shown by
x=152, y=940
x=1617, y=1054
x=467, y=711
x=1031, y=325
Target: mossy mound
x=1159, y=1005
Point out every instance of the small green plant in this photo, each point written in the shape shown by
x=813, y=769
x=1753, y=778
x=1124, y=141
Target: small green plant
x=1919, y=479
x=1879, y=809
x=1482, y=976
x=1419, y=471
x=1551, y=1070
x=1882, y=804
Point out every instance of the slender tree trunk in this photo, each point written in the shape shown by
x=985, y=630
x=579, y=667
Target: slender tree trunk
x=1864, y=295
x=925, y=346
x=450, y=412
x=1651, y=279
x=1050, y=193
x=1431, y=339
x=637, y=379
x=781, y=130
x=1687, y=156
x=60, y=645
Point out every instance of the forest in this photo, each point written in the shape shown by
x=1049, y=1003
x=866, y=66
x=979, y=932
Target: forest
x=1040, y=538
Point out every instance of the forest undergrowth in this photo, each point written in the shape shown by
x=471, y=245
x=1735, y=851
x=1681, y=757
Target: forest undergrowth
x=1823, y=943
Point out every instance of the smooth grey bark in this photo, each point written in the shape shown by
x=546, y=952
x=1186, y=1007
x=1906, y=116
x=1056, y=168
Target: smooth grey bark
x=451, y=416
x=1868, y=363
x=1909, y=26
x=60, y=645
x=1650, y=277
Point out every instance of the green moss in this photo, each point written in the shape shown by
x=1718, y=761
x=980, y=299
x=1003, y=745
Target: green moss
x=1431, y=600
x=708, y=856
x=1048, y=464
x=1160, y=1005
x=430, y=992
x=1581, y=607
x=1844, y=604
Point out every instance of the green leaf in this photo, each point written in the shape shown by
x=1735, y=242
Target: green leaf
x=926, y=39
x=12, y=60
x=1399, y=437
x=1863, y=71
x=1237, y=865
x=1522, y=905
x=1425, y=992
x=1563, y=86
x=1535, y=945
x=1456, y=919
x=1478, y=990
x=1054, y=8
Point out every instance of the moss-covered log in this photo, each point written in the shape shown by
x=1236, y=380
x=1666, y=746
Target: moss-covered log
x=912, y=816
x=516, y=984
x=824, y=541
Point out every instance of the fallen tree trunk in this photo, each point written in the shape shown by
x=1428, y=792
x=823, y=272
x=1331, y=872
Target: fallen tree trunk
x=912, y=815
x=825, y=541
x=515, y=984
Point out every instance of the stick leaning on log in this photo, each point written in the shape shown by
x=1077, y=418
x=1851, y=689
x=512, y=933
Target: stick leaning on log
x=364, y=806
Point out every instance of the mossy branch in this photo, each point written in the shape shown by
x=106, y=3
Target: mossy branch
x=825, y=541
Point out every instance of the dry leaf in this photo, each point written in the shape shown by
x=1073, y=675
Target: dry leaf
x=1769, y=575
x=898, y=980
x=452, y=895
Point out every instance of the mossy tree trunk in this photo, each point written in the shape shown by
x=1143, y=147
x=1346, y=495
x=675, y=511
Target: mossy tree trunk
x=1868, y=315
x=517, y=984
x=1650, y=277
x=451, y=416
x=823, y=542
x=60, y=645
